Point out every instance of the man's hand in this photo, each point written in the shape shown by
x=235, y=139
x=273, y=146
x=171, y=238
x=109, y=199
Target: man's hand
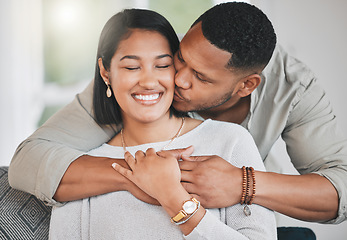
x=212, y=180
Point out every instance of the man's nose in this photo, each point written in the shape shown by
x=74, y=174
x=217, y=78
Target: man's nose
x=182, y=78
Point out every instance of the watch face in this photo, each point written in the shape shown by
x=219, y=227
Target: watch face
x=189, y=207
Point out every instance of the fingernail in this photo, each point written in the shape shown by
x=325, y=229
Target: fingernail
x=114, y=165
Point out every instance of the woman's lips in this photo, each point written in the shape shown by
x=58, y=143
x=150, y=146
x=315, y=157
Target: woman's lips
x=147, y=99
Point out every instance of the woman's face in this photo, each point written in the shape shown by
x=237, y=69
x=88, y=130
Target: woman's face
x=142, y=76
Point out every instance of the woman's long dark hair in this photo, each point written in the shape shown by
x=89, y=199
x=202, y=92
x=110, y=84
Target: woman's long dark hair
x=117, y=28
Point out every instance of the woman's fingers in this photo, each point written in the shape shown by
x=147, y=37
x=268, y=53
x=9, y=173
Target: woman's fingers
x=125, y=172
x=150, y=151
x=130, y=160
x=177, y=153
x=138, y=155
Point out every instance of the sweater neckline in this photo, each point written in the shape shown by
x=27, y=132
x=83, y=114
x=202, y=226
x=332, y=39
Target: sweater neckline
x=183, y=136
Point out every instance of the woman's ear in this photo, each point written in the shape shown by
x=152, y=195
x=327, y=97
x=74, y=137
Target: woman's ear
x=103, y=72
x=248, y=85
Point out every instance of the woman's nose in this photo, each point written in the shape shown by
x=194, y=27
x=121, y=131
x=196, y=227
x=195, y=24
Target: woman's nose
x=148, y=80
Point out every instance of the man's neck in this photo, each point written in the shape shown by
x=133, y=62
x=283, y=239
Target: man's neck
x=234, y=114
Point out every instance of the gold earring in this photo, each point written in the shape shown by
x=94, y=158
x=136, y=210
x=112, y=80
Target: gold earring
x=108, y=91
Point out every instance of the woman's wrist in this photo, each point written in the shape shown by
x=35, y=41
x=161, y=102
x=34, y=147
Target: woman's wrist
x=173, y=199
x=173, y=203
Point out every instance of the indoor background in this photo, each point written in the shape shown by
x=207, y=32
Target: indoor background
x=48, y=50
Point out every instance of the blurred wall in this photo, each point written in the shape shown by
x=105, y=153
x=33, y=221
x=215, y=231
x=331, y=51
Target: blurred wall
x=21, y=67
x=316, y=33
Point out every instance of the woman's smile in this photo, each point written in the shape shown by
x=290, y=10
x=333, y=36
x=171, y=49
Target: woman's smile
x=147, y=98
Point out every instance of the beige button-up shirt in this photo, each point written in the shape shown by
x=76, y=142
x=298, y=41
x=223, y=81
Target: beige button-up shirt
x=288, y=103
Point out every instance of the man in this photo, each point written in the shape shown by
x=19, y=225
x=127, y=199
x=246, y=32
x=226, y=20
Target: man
x=220, y=75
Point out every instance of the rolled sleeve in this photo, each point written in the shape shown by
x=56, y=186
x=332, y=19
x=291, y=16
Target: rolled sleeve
x=315, y=144
x=41, y=160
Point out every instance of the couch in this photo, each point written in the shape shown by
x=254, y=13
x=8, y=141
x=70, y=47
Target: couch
x=23, y=216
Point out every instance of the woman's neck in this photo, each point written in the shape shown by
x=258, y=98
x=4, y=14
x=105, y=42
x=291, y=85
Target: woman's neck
x=137, y=133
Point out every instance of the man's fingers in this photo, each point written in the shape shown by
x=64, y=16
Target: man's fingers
x=189, y=187
x=177, y=153
x=187, y=176
x=195, y=158
x=187, y=165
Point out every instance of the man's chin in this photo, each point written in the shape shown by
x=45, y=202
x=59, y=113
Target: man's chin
x=182, y=106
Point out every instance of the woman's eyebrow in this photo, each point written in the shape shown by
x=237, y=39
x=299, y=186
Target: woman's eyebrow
x=138, y=58
x=130, y=57
x=163, y=56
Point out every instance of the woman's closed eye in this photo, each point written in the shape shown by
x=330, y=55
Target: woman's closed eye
x=132, y=68
x=164, y=66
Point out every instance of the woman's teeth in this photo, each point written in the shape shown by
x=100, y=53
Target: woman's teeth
x=147, y=97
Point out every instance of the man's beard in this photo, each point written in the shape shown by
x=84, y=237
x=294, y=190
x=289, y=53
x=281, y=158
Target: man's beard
x=207, y=105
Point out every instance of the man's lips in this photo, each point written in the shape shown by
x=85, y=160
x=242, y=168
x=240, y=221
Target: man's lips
x=178, y=97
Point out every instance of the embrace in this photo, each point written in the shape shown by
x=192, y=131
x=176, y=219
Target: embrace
x=169, y=139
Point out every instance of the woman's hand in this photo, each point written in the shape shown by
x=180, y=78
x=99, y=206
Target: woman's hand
x=155, y=175
x=159, y=176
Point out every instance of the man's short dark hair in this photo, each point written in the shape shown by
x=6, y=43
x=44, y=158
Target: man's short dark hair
x=241, y=29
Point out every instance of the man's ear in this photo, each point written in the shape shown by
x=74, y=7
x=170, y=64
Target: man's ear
x=248, y=85
x=103, y=72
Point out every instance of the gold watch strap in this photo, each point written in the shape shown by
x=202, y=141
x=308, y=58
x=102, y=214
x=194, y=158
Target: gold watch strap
x=182, y=214
x=179, y=216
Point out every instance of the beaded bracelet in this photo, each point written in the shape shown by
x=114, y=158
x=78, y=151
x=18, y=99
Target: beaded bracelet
x=248, y=185
x=248, y=175
x=253, y=193
x=244, y=183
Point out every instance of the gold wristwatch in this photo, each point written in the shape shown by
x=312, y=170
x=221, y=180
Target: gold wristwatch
x=188, y=207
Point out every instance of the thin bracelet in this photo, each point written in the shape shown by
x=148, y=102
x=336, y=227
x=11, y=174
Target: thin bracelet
x=184, y=221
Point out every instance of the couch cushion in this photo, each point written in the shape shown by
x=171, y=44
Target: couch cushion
x=22, y=215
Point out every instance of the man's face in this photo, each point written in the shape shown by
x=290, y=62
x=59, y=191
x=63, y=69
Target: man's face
x=202, y=80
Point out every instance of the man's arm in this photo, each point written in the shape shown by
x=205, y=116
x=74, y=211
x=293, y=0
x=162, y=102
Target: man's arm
x=314, y=145
x=216, y=184
x=41, y=160
x=319, y=152
x=90, y=176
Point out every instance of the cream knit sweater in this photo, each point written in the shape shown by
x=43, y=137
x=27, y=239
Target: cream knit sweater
x=119, y=215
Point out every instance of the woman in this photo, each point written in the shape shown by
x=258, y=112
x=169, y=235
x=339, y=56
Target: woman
x=134, y=85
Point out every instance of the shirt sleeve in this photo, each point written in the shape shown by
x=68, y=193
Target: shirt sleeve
x=261, y=224
x=315, y=144
x=41, y=160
